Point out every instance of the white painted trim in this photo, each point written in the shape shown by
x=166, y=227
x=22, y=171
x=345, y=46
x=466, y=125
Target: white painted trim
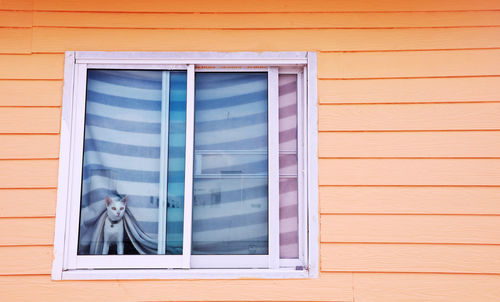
x=291, y=69
x=229, y=261
x=252, y=57
x=239, y=261
x=188, y=171
x=64, y=162
x=198, y=58
x=239, y=62
x=114, y=65
x=162, y=190
x=230, y=68
x=231, y=61
x=312, y=164
x=74, y=261
x=185, y=274
x=273, y=168
x=129, y=261
x=75, y=168
x=291, y=263
x=301, y=165
x=227, y=176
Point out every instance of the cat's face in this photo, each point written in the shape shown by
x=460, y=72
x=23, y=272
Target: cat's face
x=115, y=207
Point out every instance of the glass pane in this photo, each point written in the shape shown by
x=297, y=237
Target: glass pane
x=176, y=162
x=289, y=237
x=121, y=162
x=230, y=198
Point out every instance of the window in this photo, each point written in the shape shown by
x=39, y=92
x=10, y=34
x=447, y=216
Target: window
x=187, y=165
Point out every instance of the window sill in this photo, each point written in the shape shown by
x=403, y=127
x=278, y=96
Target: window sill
x=186, y=274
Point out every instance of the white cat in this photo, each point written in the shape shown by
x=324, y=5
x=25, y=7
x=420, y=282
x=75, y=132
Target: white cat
x=113, y=226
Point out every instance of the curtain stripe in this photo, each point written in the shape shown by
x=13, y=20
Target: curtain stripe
x=288, y=165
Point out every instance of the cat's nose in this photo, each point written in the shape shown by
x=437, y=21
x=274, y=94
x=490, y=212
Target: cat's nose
x=118, y=214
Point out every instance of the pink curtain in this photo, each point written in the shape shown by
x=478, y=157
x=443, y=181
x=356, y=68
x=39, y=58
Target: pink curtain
x=289, y=238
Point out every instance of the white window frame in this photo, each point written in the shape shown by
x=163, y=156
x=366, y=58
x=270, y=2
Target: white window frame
x=66, y=265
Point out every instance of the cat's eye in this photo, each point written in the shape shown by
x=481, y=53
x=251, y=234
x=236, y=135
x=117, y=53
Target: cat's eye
x=113, y=208
x=121, y=208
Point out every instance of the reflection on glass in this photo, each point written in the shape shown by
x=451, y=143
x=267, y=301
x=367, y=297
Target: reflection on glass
x=289, y=236
x=176, y=162
x=230, y=200
x=121, y=163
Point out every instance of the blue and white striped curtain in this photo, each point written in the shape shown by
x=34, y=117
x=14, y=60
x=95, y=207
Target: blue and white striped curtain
x=122, y=155
x=230, y=191
x=230, y=199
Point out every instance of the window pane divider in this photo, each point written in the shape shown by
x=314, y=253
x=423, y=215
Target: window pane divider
x=301, y=165
x=162, y=204
x=188, y=181
x=273, y=167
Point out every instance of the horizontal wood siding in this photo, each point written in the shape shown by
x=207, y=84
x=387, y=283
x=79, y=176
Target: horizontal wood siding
x=260, y=20
x=15, y=41
x=16, y=18
x=353, y=65
x=21, y=231
x=32, y=67
x=410, y=172
x=443, y=144
x=30, y=93
x=426, y=287
x=422, y=258
x=409, y=139
x=29, y=120
x=398, y=117
x=273, y=6
x=54, y=40
x=28, y=202
x=28, y=173
x=21, y=146
x=409, y=90
x=332, y=287
x=472, y=200
x=459, y=229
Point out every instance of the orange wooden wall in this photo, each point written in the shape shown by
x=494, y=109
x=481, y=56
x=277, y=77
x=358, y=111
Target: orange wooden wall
x=409, y=121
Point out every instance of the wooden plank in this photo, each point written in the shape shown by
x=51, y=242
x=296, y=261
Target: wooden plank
x=265, y=20
x=19, y=260
x=426, y=287
x=28, y=173
x=478, y=116
x=38, y=66
x=452, y=172
x=15, y=19
x=410, y=90
x=30, y=93
x=27, y=202
x=60, y=39
x=409, y=64
x=26, y=231
x=14, y=41
x=411, y=229
x=410, y=200
x=16, y=4
x=328, y=287
x=430, y=258
x=30, y=120
x=264, y=6
x=410, y=144
x=29, y=146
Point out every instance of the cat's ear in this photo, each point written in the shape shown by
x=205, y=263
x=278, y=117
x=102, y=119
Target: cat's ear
x=108, y=200
x=125, y=199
